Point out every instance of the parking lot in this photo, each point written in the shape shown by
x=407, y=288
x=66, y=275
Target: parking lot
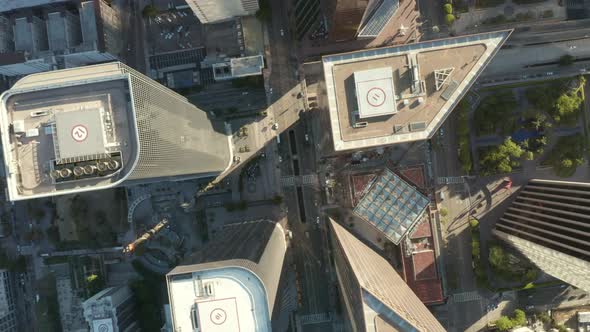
x=174, y=30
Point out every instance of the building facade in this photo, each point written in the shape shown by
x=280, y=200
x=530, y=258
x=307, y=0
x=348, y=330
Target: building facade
x=211, y=11
x=8, y=320
x=374, y=295
x=549, y=223
x=232, y=283
x=111, y=310
x=97, y=127
x=352, y=19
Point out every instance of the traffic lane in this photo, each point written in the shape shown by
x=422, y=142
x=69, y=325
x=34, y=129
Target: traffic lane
x=508, y=61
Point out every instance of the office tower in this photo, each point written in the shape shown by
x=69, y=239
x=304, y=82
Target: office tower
x=231, y=284
x=549, y=223
x=353, y=19
x=399, y=94
x=8, y=321
x=375, y=296
x=96, y=127
x=211, y=11
x=111, y=310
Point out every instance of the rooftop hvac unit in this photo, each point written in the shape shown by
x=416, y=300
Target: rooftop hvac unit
x=89, y=169
x=65, y=172
x=78, y=171
x=54, y=174
x=102, y=166
x=113, y=165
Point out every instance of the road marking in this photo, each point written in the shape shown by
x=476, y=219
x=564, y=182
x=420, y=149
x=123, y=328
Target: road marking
x=466, y=297
x=450, y=180
x=303, y=180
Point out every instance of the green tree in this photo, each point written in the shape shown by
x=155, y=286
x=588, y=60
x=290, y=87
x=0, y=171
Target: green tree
x=497, y=257
x=566, y=60
x=567, y=105
x=529, y=155
x=519, y=318
x=149, y=11
x=450, y=19
x=567, y=163
x=448, y=8
x=504, y=323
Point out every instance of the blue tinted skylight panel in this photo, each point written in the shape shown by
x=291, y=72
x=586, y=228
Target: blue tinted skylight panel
x=392, y=206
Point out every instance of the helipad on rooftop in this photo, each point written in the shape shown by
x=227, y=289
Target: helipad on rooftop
x=374, y=92
x=402, y=93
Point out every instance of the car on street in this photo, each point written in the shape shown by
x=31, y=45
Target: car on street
x=282, y=33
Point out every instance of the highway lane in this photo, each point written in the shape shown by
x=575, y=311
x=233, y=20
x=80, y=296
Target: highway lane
x=518, y=59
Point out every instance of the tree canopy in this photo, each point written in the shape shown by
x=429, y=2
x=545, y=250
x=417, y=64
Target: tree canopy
x=501, y=159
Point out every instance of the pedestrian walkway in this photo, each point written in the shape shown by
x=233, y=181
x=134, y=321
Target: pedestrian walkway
x=450, y=180
x=315, y=318
x=466, y=297
x=303, y=180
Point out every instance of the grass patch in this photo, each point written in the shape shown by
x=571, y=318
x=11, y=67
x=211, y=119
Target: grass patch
x=491, y=114
x=566, y=155
x=463, y=136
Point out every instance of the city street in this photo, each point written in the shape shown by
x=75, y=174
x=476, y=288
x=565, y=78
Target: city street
x=308, y=227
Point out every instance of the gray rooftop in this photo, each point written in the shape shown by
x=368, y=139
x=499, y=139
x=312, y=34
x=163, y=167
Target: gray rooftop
x=247, y=66
x=56, y=31
x=6, y=5
x=88, y=21
x=23, y=36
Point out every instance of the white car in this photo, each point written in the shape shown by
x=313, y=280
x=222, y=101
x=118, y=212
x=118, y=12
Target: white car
x=282, y=33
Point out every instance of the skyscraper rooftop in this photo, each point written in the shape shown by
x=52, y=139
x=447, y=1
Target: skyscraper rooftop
x=231, y=284
x=95, y=127
x=375, y=296
x=414, y=91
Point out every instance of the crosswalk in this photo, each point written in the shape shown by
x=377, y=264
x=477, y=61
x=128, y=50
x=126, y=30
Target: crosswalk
x=450, y=180
x=303, y=180
x=315, y=318
x=466, y=297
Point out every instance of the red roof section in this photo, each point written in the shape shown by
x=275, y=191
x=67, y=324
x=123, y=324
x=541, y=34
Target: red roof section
x=414, y=174
x=424, y=265
x=359, y=183
x=422, y=278
x=422, y=229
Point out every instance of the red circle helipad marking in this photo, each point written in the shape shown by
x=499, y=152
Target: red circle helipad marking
x=218, y=316
x=79, y=133
x=376, y=97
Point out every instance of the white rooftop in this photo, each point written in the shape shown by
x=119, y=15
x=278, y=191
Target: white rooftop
x=219, y=300
x=375, y=92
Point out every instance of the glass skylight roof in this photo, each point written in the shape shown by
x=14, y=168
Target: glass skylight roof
x=392, y=206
